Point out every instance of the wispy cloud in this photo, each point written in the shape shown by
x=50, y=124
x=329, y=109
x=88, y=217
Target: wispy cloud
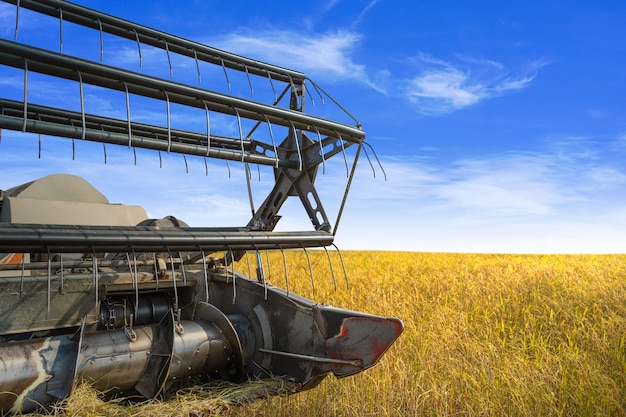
x=442, y=87
x=326, y=54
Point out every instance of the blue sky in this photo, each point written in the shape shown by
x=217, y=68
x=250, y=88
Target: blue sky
x=500, y=126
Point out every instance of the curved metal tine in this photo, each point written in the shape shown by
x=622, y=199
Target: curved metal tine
x=343, y=265
x=169, y=253
x=130, y=132
x=95, y=275
x=208, y=128
x=232, y=268
x=308, y=258
x=182, y=267
x=104, y=147
x=101, y=40
x=206, y=275
x=293, y=87
x=39, y=142
x=17, y=19
x=248, y=262
x=73, y=143
x=48, y=283
x=332, y=270
x=377, y=160
x=249, y=80
x=228, y=166
x=156, y=269
x=82, y=104
x=240, y=132
x=295, y=138
x=169, y=60
x=225, y=73
x=269, y=75
x=343, y=151
x=318, y=91
x=136, y=282
x=22, y=275
x=269, y=125
x=160, y=160
x=169, y=126
x=319, y=138
x=285, y=266
x=195, y=55
x=133, y=278
x=25, y=117
x=310, y=96
x=62, y=289
x=370, y=162
x=138, y=48
x=60, y=30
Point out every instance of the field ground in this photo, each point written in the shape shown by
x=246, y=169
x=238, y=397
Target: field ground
x=485, y=335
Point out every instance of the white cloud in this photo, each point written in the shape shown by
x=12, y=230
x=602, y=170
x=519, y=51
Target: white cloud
x=442, y=87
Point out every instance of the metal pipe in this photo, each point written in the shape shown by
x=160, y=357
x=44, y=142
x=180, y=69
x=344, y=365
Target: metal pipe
x=62, y=66
x=71, y=239
x=133, y=31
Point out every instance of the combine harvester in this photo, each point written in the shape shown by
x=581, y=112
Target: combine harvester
x=92, y=291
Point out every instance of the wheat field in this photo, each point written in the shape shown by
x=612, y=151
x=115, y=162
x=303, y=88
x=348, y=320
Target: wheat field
x=485, y=335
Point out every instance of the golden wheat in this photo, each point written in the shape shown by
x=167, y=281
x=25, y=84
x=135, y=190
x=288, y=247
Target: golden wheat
x=484, y=335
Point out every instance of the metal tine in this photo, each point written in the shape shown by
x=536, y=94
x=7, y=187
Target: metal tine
x=17, y=19
x=377, y=160
x=169, y=253
x=269, y=126
x=128, y=114
x=60, y=30
x=343, y=151
x=332, y=270
x=25, y=117
x=225, y=73
x=62, y=289
x=195, y=55
x=39, y=142
x=160, y=160
x=285, y=266
x=206, y=167
x=169, y=127
x=133, y=277
x=267, y=259
x=269, y=75
x=245, y=67
x=101, y=40
x=182, y=267
x=138, y=48
x=228, y=166
x=295, y=138
x=22, y=275
x=48, y=284
x=308, y=258
x=156, y=269
x=240, y=132
x=260, y=272
x=208, y=128
x=232, y=268
x=317, y=87
x=95, y=275
x=73, y=143
x=319, y=137
x=206, y=276
x=343, y=265
x=310, y=96
x=82, y=103
x=136, y=283
x=370, y=162
x=104, y=147
x=169, y=60
x=318, y=92
x=293, y=86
